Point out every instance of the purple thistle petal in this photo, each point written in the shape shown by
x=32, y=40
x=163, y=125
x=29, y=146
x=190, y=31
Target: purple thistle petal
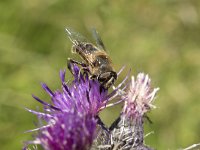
x=46, y=88
x=44, y=103
x=37, y=129
x=62, y=75
x=75, y=71
x=119, y=72
x=39, y=114
x=66, y=90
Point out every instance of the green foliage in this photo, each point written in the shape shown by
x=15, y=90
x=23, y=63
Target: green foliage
x=156, y=37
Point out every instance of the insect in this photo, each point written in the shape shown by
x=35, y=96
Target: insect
x=95, y=59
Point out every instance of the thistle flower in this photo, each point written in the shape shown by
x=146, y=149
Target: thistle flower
x=127, y=132
x=139, y=96
x=72, y=119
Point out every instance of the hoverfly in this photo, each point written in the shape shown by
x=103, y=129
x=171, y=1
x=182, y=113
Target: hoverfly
x=95, y=59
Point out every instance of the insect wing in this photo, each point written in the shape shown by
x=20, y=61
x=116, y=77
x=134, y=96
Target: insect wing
x=98, y=39
x=74, y=36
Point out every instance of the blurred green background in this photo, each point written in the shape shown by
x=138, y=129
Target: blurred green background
x=158, y=37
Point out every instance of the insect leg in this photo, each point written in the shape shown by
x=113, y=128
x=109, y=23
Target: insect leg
x=70, y=60
x=85, y=71
x=148, y=119
x=92, y=77
x=83, y=66
x=109, y=82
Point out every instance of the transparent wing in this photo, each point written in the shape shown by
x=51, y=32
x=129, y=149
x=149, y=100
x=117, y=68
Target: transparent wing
x=98, y=39
x=74, y=36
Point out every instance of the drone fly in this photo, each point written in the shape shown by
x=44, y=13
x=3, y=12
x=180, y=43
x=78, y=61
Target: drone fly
x=95, y=59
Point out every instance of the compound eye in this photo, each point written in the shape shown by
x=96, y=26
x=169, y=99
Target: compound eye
x=90, y=47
